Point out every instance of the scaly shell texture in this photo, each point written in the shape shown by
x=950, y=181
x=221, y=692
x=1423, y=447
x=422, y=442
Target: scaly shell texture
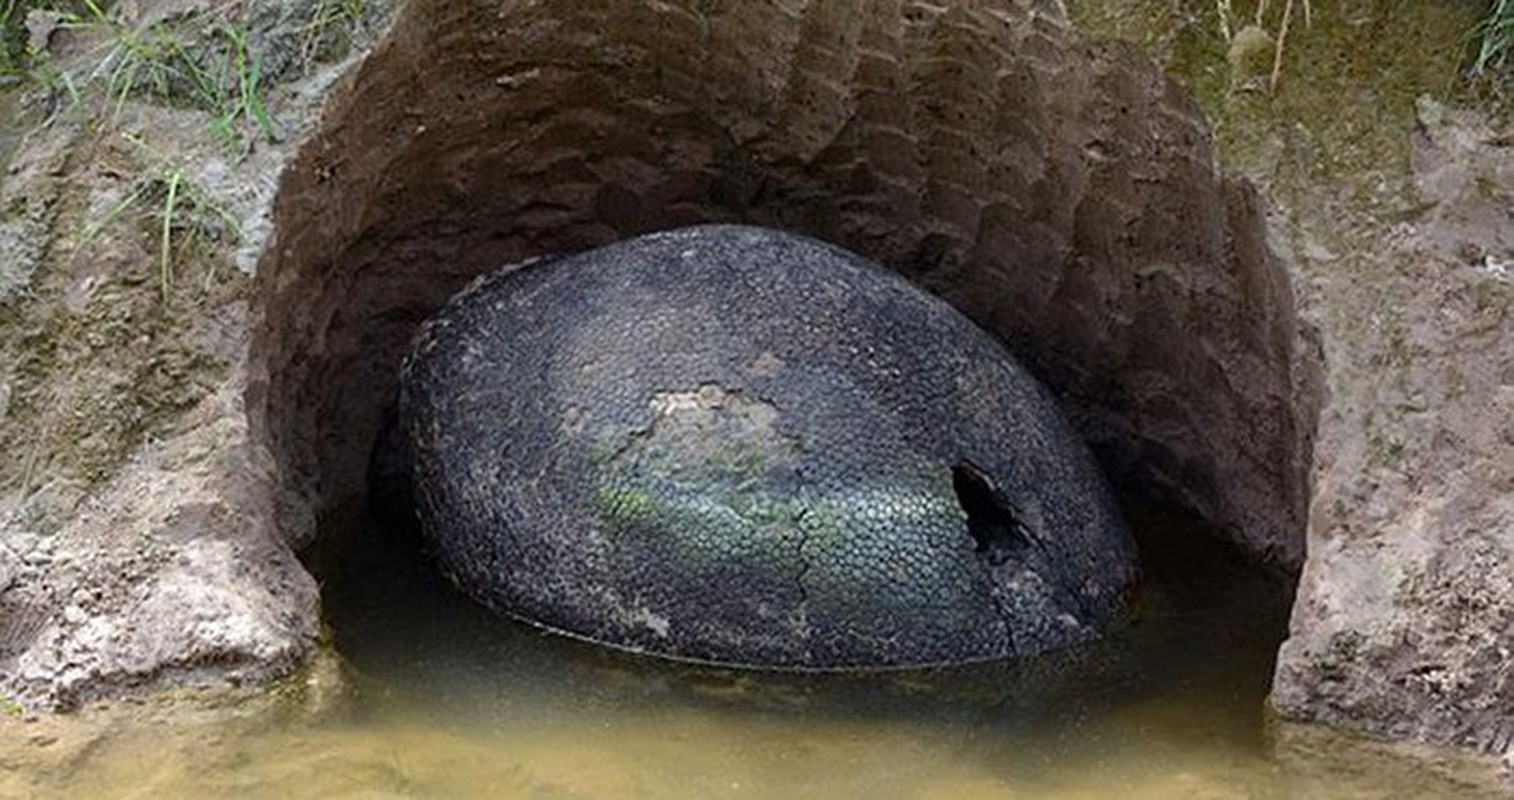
x=735, y=445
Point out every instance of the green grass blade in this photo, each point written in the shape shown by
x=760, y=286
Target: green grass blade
x=255, y=104
x=165, y=245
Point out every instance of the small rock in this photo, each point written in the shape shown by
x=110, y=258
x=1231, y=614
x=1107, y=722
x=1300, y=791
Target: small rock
x=1319, y=253
x=1498, y=267
x=10, y=568
x=74, y=615
x=1430, y=113
x=40, y=26
x=1250, y=57
x=517, y=79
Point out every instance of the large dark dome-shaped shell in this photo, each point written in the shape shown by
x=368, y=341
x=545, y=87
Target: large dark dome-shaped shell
x=737, y=445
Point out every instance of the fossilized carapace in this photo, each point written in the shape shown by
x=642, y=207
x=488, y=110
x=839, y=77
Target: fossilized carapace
x=737, y=445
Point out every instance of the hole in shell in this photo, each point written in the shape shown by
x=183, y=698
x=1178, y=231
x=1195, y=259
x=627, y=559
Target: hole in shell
x=996, y=525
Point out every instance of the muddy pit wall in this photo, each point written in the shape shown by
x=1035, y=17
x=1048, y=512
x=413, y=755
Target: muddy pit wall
x=1062, y=194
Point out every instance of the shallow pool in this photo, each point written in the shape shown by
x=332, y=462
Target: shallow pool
x=446, y=700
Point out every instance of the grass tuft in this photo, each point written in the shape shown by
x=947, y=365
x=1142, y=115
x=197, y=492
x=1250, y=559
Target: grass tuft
x=204, y=60
x=182, y=212
x=232, y=90
x=325, y=34
x=205, y=64
x=1494, y=36
x=151, y=62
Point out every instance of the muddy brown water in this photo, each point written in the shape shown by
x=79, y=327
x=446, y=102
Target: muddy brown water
x=449, y=701
x=1180, y=685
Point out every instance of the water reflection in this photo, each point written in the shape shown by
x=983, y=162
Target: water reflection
x=401, y=626
x=1179, y=686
